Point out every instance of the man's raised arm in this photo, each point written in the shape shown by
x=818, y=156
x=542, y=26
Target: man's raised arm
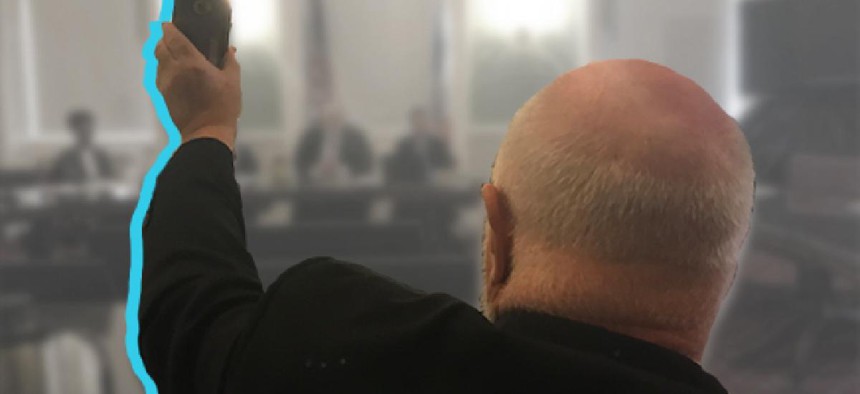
x=199, y=281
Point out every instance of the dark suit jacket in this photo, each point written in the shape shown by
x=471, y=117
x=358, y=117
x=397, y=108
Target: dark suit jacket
x=355, y=152
x=409, y=164
x=69, y=166
x=325, y=326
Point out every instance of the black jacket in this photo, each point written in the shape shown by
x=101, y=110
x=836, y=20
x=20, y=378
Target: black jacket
x=324, y=326
x=410, y=164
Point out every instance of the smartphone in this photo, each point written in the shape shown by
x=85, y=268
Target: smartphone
x=207, y=25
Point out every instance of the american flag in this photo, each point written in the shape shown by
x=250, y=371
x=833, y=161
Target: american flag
x=441, y=60
x=318, y=69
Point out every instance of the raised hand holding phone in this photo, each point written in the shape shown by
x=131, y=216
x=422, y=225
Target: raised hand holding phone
x=204, y=101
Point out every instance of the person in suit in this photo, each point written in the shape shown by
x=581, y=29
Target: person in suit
x=618, y=205
x=332, y=150
x=420, y=154
x=246, y=161
x=83, y=161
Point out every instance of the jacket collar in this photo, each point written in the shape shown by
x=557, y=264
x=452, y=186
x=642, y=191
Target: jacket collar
x=591, y=339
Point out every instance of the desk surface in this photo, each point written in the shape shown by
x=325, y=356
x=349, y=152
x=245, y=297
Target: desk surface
x=458, y=195
x=82, y=281
x=90, y=281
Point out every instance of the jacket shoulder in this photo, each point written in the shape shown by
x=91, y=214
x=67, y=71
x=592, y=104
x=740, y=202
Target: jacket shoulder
x=326, y=321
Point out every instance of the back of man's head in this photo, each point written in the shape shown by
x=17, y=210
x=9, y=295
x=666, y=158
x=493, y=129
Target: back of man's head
x=621, y=196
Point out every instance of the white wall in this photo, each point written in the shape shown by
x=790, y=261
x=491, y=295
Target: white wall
x=61, y=56
x=382, y=64
x=691, y=37
x=89, y=55
x=381, y=53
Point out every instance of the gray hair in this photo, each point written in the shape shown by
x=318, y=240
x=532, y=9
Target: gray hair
x=574, y=194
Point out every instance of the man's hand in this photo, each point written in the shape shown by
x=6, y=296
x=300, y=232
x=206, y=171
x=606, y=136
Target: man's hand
x=203, y=100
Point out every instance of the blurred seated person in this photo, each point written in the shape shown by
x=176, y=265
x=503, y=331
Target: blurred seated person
x=246, y=160
x=422, y=153
x=83, y=161
x=332, y=151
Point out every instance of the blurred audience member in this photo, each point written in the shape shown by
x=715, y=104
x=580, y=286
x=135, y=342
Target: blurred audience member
x=246, y=161
x=421, y=153
x=83, y=161
x=332, y=151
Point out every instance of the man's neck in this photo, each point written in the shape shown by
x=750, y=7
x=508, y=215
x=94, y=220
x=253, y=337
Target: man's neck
x=673, y=313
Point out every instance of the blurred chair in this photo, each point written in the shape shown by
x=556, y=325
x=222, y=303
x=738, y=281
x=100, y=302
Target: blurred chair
x=805, y=144
x=437, y=210
x=10, y=179
x=74, y=365
x=20, y=335
x=437, y=217
x=321, y=205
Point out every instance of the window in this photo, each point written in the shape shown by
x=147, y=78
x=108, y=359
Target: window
x=517, y=47
x=256, y=33
x=55, y=62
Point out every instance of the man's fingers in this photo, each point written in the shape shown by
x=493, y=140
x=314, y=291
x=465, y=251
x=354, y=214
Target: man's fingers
x=179, y=45
x=165, y=64
x=232, y=70
x=162, y=79
x=161, y=76
x=161, y=53
x=231, y=64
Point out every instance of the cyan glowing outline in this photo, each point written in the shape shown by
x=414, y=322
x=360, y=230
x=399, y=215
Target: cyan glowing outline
x=135, y=229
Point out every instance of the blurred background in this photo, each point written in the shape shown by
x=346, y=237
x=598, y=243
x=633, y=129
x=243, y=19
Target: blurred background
x=368, y=127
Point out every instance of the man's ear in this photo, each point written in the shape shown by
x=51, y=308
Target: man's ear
x=500, y=243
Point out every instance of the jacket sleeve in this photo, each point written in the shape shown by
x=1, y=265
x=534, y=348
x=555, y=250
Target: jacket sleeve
x=206, y=325
x=200, y=284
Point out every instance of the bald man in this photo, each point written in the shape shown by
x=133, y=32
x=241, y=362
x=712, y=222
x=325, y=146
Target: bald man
x=619, y=204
